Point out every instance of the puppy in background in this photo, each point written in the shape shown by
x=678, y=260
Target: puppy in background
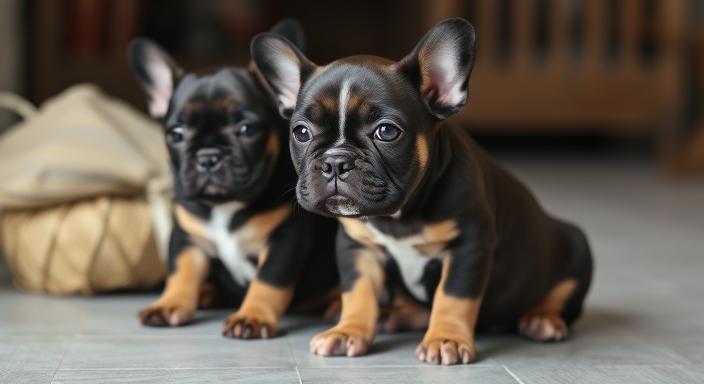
x=461, y=243
x=233, y=180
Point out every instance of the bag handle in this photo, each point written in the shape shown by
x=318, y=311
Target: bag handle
x=18, y=105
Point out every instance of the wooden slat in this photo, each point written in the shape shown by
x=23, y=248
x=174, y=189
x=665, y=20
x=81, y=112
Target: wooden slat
x=559, y=22
x=631, y=29
x=524, y=14
x=439, y=10
x=671, y=24
x=595, y=33
x=487, y=31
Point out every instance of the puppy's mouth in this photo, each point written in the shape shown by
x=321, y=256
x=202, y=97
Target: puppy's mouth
x=341, y=205
x=213, y=189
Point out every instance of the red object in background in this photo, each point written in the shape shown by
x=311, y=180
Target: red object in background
x=86, y=32
x=125, y=24
x=244, y=19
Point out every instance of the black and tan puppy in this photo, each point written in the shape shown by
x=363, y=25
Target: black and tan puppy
x=233, y=180
x=423, y=208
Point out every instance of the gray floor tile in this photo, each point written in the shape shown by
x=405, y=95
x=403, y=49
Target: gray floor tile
x=21, y=353
x=606, y=374
x=217, y=352
x=195, y=376
x=28, y=377
x=582, y=350
x=420, y=374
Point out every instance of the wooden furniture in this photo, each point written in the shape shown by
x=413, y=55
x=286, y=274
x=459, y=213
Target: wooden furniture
x=567, y=66
x=691, y=158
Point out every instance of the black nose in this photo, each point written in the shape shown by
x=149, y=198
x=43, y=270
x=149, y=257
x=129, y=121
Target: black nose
x=337, y=165
x=208, y=159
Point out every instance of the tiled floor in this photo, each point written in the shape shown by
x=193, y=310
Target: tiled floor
x=644, y=321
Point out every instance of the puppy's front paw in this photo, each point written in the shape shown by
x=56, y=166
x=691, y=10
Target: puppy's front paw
x=340, y=341
x=543, y=327
x=250, y=325
x=446, y=351
x=165, y=314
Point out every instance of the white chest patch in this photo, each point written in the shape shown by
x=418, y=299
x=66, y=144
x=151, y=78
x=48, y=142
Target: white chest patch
x=410, y=260
x=229, y=245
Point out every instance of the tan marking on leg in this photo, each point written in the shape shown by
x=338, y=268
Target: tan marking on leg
x=360, y=312
x=258, y=228
x=450, y=336
x=259, y=315
x=544, y=323
x=436, y=236
x=195, y=228
x=180, y=297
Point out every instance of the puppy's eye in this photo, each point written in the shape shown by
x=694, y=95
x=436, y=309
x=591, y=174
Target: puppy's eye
x=174, y=135
x=302, y=134
x=247, y=131
x=387, y=132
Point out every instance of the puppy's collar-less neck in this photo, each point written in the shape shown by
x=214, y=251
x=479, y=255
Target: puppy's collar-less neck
x=438, y=162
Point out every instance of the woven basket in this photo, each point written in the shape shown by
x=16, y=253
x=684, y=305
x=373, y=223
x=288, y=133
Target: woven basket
x=87, y=247
x=85, y=194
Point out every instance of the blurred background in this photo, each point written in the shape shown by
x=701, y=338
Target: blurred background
x=608, y=78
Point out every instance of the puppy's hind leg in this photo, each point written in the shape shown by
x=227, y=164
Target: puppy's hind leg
x=404, y=315
x=549, y=320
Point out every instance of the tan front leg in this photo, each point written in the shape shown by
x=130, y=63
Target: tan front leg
x=263, y=306
x=180, y=297
x=450, y=336
x=259, y=315
x=360, y=312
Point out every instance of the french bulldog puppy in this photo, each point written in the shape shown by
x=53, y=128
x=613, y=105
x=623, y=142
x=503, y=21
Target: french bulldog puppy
x=423, y=209
x=233, y=181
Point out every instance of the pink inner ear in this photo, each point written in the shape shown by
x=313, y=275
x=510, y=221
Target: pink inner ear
x=162, y=84
x=158, y=107
x=435, y=83
x=441, y=82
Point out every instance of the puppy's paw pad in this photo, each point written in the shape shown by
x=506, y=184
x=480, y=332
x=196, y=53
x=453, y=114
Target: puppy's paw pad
x=165, y=315
x=249, y=326
x=338, y=343
x=445, y=351
x=543, y=327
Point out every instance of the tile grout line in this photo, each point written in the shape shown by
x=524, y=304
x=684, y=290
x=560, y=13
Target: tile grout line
x=63, y=356
x=512, y=374
x=295, y=361
x=300, y=380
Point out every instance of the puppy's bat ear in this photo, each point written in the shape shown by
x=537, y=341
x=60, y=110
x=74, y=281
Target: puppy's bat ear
x=156, y=72
x=440, y=66
x=292, y=31
x=283, y=67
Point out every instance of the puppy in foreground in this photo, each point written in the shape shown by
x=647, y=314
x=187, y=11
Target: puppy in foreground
x=423, y=209
x=233, y=179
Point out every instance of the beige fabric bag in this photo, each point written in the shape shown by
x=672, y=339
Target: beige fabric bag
x=85, y=194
